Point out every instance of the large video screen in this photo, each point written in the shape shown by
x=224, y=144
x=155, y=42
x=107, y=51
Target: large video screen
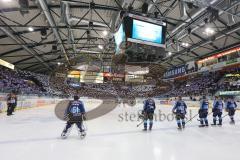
x=119, y=37
x=147, y=32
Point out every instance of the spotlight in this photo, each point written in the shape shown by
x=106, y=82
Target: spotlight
x=185, y=44
x=100, y=46
x=209, y=31
x=30, y=29
x=169, y=53
x=105, y=33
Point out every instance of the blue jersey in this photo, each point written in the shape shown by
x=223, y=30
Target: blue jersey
x=231, y=105
x=149, y=106
x=75, y=108
x=218, y=104
x=180, y=107
x=204, y=104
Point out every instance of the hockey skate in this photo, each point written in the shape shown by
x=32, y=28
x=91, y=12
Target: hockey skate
x=232, y=122
x=183, y=125
x=220, y=123
x=179, y=127
x=64, y=135
x=214, y=123
x=82, y=134
x=150, y=127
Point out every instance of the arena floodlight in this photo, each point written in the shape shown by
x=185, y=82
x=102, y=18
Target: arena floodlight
x=185, y=44
x=30, y=29
x=100, y=46
x=208, y=31
x=105, y=33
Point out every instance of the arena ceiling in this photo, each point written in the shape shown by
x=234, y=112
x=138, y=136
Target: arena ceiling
x=39, y=36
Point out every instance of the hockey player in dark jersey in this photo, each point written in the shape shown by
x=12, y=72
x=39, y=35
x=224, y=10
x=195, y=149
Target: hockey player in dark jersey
x=74, y=114
x=180, y=110
x=217, y=111
x=11, y=103
x=203, y=111
x=148, y=112
x=231, y=106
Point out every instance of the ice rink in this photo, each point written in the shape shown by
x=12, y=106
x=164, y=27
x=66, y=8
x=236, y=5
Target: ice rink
x=34, y=134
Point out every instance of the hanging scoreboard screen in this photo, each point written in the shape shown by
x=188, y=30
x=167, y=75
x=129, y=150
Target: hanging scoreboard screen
x=145, y=30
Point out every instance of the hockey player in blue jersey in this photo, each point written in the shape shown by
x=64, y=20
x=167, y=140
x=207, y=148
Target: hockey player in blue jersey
x=217, y=111
x=74, y=114
x=231, y=106
x=148, y=112
x=180, y=110
x=203, y=111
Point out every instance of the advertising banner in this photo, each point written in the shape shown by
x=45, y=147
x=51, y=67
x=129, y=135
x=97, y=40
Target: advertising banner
x=174, y=72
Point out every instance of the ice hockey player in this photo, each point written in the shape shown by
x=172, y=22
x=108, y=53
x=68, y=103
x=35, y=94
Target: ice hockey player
x=217, y=111
x=148, y=112
x=11, y=103
x=203, y=111
x=180, y=110
x=231, y=106
x=74, y=114
x=15, y=97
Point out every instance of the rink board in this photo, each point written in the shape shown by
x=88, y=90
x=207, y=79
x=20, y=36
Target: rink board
x=25, y=102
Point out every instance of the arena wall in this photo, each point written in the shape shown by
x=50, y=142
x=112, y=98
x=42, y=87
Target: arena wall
x=25, y=102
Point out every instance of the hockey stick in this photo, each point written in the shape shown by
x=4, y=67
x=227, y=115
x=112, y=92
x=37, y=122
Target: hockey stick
x=140, y=117
x=140, y=123
x=192, y=118
x=225, y=115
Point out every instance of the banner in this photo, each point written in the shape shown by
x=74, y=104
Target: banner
x=229, y=93
x=174, y=72
x=232, y=61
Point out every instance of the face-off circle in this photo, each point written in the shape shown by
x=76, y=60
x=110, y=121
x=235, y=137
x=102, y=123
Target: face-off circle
x=105, y=107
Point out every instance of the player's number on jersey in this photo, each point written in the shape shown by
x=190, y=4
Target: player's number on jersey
x=75, y=110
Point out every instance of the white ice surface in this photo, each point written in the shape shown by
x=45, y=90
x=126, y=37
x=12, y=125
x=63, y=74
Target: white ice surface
x=34, y=134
